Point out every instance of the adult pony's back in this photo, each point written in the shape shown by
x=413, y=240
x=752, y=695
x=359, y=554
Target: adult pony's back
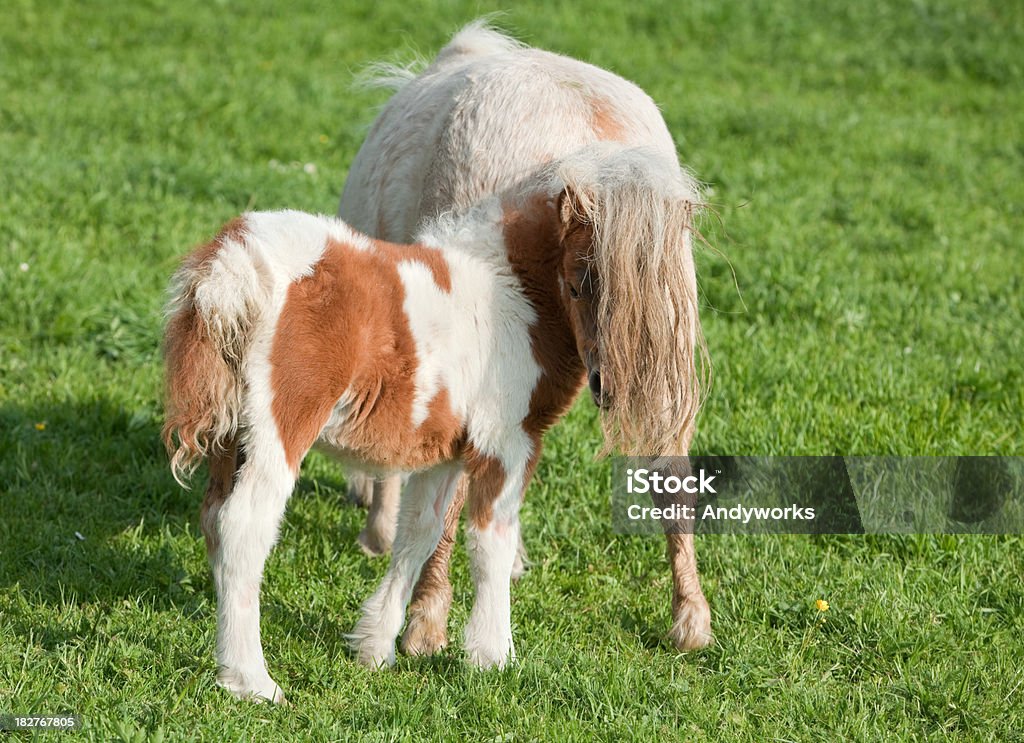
x=484, y=115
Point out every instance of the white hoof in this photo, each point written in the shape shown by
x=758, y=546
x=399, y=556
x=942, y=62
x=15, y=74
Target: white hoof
x=484, y=652
x=375, y=657
x=256, y=687
x=371, y=650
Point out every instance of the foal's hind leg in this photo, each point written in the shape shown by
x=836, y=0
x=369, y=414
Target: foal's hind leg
x=241, y=530
x=420, y=523
x=223, y=466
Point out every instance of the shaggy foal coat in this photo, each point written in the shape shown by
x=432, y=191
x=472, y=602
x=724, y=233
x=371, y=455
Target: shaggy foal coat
x=485, y=114
x=451, y=355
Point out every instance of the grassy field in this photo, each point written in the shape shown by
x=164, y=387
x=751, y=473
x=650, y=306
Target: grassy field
x=865, y=165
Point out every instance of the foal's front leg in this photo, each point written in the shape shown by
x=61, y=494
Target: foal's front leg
x=492, y=536
x=427, y=630
x=420, y=522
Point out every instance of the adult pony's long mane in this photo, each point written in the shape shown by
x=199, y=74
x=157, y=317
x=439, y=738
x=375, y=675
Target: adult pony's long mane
x=641, y=207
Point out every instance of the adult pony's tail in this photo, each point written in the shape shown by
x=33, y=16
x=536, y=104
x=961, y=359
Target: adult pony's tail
x=216, y=298
x=641, y=207
x=476, y=39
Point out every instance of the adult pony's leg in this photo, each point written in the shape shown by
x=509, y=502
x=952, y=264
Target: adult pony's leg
x=360, y=488
x=420, y=523
x=691, y=615
x=240, y=524
x=427, y=630
x=378, y=535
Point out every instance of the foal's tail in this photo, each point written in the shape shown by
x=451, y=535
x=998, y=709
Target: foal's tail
x=216, y=298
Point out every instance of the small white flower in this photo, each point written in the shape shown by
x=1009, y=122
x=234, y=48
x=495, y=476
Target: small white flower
x=309, y=168
x=23, y=267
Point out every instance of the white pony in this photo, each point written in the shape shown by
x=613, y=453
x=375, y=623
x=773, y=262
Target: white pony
x=485, y=114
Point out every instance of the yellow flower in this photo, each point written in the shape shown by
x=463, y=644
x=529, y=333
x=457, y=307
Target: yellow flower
x=324, y=139
x=41, y=426
x=822, y=605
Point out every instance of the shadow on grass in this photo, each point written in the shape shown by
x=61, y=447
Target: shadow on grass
x=89, y=513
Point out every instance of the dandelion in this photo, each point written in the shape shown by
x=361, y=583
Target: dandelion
x=324, y=139
x=41, y=426
x=813, y=627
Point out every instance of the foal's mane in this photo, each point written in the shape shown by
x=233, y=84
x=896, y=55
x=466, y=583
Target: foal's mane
x=641, y=207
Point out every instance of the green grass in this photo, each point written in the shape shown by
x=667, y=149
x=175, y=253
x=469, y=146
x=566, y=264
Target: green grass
x=865, y=162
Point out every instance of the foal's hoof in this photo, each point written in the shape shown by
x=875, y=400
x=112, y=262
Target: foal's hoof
x=371, y=651
x=692, y=627
x=251, y=687
x=424, y=636
x=486, y=647
x=485, y=657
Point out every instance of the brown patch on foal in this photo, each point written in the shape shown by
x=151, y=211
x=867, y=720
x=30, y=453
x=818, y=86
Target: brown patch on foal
x=343, y=330
x=429, y=257
x=536, y=241
x=486, y=479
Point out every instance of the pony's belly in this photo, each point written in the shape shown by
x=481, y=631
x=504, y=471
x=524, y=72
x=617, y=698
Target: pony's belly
x=357, y=460
x=383, y=443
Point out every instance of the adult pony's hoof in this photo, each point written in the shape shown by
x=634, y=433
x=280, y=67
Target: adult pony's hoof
x=691, y=629
x=522, y=562
x=374, y=544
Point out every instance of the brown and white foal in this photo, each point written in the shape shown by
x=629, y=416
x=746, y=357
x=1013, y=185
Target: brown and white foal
x=450, y=355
